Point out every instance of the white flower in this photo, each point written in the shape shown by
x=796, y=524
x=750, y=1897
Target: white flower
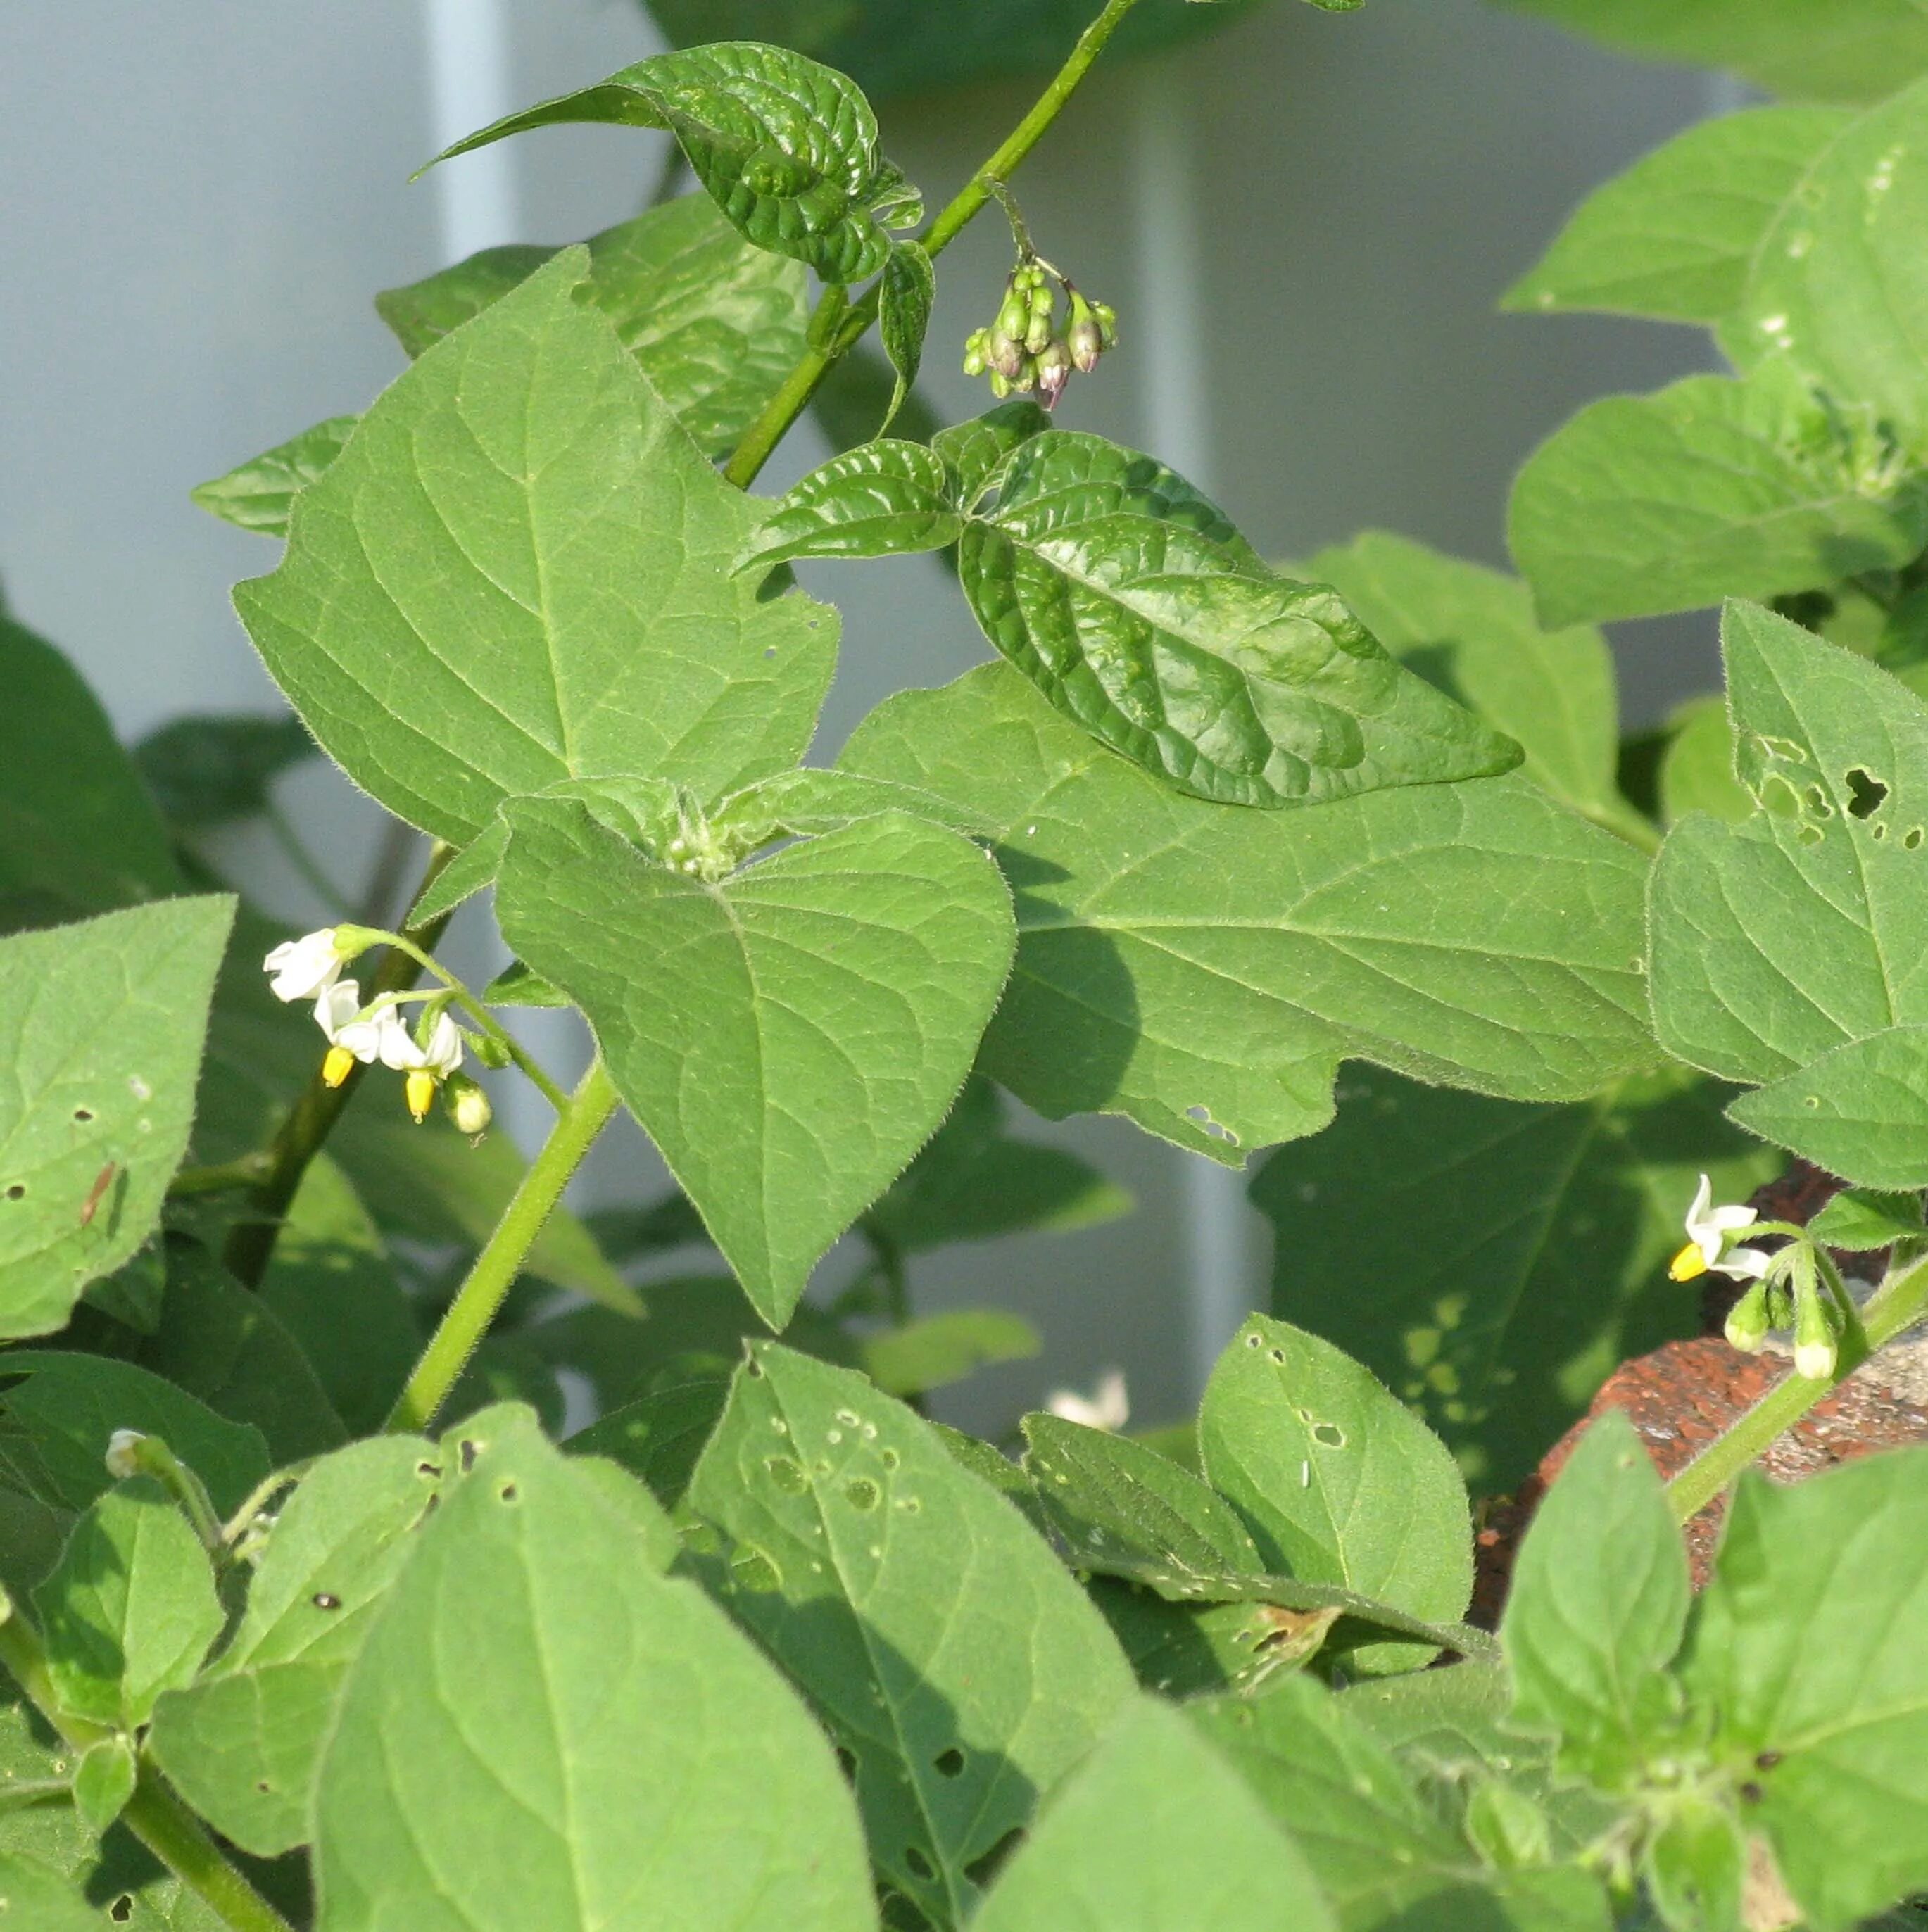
x=298, y=969
x=122, y=1460
x=1708, y=1228
x=427, y=1066
x=1107, y=1407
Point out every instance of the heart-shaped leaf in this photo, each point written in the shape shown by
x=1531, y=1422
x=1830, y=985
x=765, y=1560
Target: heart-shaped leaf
x=786, y=146
x=789, y=1037
x=603, y=635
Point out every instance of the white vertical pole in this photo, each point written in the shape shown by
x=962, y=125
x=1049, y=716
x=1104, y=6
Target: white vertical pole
x=1168, y=309
x=470, y=85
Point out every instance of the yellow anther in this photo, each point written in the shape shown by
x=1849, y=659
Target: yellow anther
x=1689, y=1262
x=335, y=1068
x=419, y=1089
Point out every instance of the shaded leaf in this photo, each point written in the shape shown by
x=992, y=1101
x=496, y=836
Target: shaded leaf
x=943, y=1644
x=1860, y=1218
x=129, y=1609
x=1493, y=1262
x=937, y=1350
x=1697, y=768
x=906, y=294
x=213, y=768
x=659, y=1437
x=1204, y=969
x=978, y=450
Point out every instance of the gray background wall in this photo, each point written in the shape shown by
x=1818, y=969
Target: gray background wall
x=198, y=198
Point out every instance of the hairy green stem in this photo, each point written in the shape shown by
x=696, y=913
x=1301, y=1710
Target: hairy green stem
x=250, y=1246
x=1900, y=1302
x=154, y=1815
x=583, y=1117
x=783, y=409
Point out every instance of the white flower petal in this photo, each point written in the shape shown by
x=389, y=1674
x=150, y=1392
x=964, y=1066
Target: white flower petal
x=1729, y=1219
x=1108, y=1407
x=336, y=1006
x=443, y=1053
x=298, y=969
x=1744, y=1264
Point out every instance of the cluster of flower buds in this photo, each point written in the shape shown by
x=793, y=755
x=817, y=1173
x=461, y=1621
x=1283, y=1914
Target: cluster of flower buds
x=428, y=1055
x=1026, y=350
x=1796, y=1287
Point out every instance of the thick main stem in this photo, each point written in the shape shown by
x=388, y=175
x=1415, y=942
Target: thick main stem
x=1898, y=1304
x=789, y=402
x=250, y=1246
x=154, y=1815
x=481, y=1295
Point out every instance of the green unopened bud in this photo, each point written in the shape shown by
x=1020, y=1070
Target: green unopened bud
x=1748, y=1320
x=468, y=1104
x=1038, y=336
x=1042, y=302
x=975, y=362
x=1006, y=354
x=1014, y=317
x=1107, y=323
x=1000, y=385
x=1815, y=1349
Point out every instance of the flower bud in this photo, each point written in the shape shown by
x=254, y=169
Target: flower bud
x=1008, y=357
x=1015, y=318
x=1038, y=335
x=1000, y=385
x=1054, y=371
x=123, y=1458
x=1815, y=1352
x=1107, y=322
x=468, y=1105
x=1042, y=302
x=1748, y=1322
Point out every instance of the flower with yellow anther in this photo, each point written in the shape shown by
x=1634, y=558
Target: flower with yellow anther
x=1709, y=1230
x=426, y=1065
x=350, y=1035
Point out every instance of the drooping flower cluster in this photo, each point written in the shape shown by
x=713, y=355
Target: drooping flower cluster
x=428, y=1054
x=1025, y=350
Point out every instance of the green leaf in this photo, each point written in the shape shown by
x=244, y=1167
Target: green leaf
x=1697, y=768
x=937, y=1350
x=539, y=1716
x=1204, y=969
x=880, y=500
x=1811, y=1645
x=903, y=46
x=100, y=1031
x=974, y=1181
x=1860, y=1111
x=1596, y=1612
x=603, y=636
x=716, y=324
x=906, y=293
x=1137, y=610
x=1377, y=1849
x=1493, y=1263
x=943, y=1644
x=1155, y=1832
x=1710, y=489
x=244, y=1744
x=1338, y=1482
x=228, y=1347
x=786, y=147
x=1776, y=940
x=78, y=832
x=213, y=768
x=104, y=1781
x=976, y=451
x=1696, y=1866
x=260, y=494
x=36, y=1895
x=331, y=1287
x=1125, y=1510
x=859, y=969
x=1471, y=631
x=848, y=405
x=1860, y=1220
x=1674, y=237
x=1837, y=290
x=130, y=1610
x=806, y=803
x=58, y=1410
x=1184, y=1650
x=1848, y=50
x=659, y=1437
